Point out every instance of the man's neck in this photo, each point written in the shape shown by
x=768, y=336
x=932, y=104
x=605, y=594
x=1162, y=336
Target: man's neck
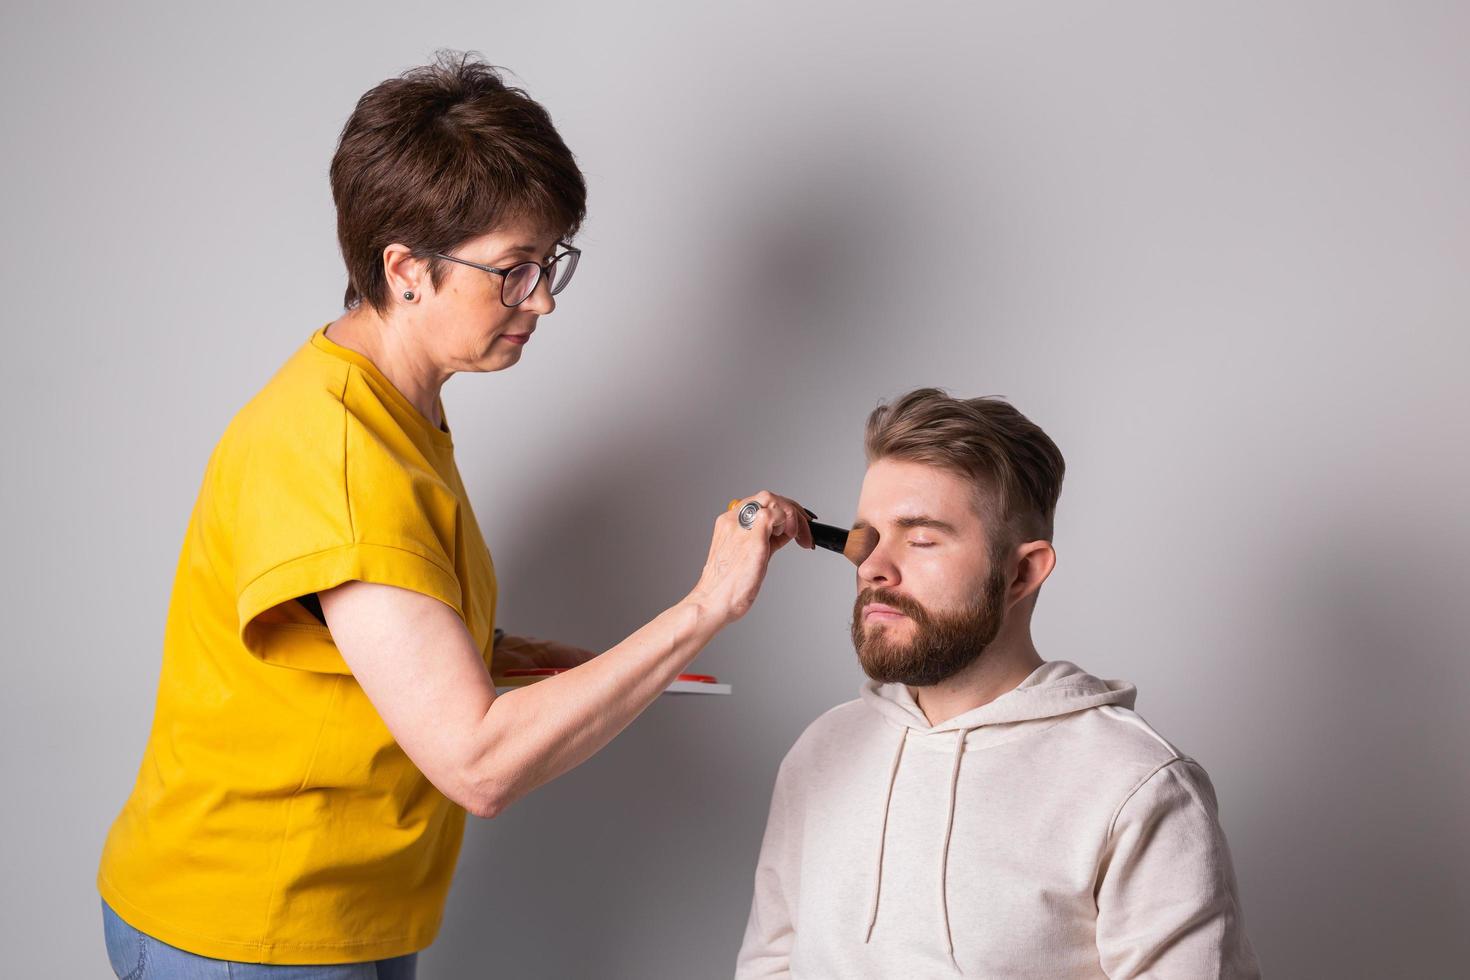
x=999, y=670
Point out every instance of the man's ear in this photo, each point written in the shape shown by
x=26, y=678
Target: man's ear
x=1034, y=562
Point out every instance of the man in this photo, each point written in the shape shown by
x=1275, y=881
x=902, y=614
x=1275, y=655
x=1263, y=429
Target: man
x=979, y=811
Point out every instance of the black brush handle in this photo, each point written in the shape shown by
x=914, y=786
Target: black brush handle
x=829, y=537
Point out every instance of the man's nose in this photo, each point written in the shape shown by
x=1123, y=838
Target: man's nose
x=878, y=568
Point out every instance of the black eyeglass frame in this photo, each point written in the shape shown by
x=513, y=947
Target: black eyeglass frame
x=575, y=254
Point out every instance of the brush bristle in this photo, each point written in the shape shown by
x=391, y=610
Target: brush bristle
x=860, y=544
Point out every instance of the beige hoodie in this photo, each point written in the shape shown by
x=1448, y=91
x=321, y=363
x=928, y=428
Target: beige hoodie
x=1050, y=833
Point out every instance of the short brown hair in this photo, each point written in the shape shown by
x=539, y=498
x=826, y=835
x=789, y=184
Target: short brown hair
x=439, y=155
x=1016, y=468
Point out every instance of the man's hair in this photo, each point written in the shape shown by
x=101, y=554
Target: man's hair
x=439, y=155
x=1016, y=469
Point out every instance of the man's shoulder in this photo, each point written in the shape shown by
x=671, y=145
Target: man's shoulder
x=846, y=714
x=833, y=730
x=1120, y=740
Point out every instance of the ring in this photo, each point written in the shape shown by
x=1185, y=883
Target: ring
x=747, y=514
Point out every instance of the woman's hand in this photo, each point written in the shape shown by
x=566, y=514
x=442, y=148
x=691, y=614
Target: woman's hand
x=520, y=652
x=425, y=674
x=738, y=557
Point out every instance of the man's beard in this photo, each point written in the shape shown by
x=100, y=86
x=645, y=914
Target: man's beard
x=941, y=647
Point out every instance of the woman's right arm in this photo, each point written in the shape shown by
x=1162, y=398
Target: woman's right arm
x=425, y=676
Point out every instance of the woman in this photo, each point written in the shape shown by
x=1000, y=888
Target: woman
x=326, y=714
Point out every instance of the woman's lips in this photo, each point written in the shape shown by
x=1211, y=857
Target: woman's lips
x=516, y=338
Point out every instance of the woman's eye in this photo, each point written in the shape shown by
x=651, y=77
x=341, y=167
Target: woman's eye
x=921, y=544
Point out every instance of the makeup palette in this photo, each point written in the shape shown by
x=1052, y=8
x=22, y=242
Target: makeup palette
x=518, y=677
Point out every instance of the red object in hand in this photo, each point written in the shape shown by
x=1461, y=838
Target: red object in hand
x=550, y=671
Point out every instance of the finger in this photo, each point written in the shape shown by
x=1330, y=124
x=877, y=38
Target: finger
x=738, y=506
x=769, y=523
x=787, y=524
x=796, y=525
x=771, y=520
x=778, y=520
x=784, y=529
x=760, y=521
x=779, y=505
x=805, y=537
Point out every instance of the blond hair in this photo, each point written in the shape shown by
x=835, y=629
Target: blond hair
x=1016, y=469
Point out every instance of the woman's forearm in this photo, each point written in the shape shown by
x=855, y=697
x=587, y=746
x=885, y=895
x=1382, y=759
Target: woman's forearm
x=416, y=661
x=530, y=736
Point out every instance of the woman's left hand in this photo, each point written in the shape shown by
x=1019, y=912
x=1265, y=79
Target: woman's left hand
x=519, y=652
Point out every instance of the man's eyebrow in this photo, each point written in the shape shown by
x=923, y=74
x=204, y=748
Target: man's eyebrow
x=909, y=522
x=922, y=520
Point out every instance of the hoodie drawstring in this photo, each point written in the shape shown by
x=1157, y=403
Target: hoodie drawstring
x=883, y=834
x=1055, y=689
x=954, y=783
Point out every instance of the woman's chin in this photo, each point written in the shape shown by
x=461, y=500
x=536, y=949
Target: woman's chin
x=496, y=359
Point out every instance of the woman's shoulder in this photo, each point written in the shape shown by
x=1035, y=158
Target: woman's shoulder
x=319, y=423
x=309, y=382
x=293, y=424
x=301, y=404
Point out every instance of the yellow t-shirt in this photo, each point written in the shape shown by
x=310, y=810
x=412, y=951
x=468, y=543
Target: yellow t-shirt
x=274, y=818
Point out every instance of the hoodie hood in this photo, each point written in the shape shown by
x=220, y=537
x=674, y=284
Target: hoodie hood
x=1055, y=688
x=1061, y=837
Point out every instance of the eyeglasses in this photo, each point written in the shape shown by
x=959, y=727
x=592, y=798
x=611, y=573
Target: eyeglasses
x=519, y=281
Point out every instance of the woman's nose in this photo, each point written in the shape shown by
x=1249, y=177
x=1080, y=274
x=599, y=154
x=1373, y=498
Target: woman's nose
x=540, y=301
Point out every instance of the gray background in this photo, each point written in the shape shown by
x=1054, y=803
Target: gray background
x=1217, y=251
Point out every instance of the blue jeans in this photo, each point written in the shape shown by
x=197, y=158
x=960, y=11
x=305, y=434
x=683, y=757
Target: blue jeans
x=137, y=956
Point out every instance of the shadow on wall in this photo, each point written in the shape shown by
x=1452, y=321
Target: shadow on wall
x=639, y=863
x=1354, y=845
x=1349, y=844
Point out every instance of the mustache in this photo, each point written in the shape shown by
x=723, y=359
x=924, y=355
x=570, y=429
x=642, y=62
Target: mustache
x=904, y=604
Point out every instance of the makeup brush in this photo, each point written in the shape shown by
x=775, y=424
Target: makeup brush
x=855, y=545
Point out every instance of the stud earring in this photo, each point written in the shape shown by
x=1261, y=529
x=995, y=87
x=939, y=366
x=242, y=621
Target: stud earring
x=408, y=294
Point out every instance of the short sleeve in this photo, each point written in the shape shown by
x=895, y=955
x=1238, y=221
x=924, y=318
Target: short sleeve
x=339, y=496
